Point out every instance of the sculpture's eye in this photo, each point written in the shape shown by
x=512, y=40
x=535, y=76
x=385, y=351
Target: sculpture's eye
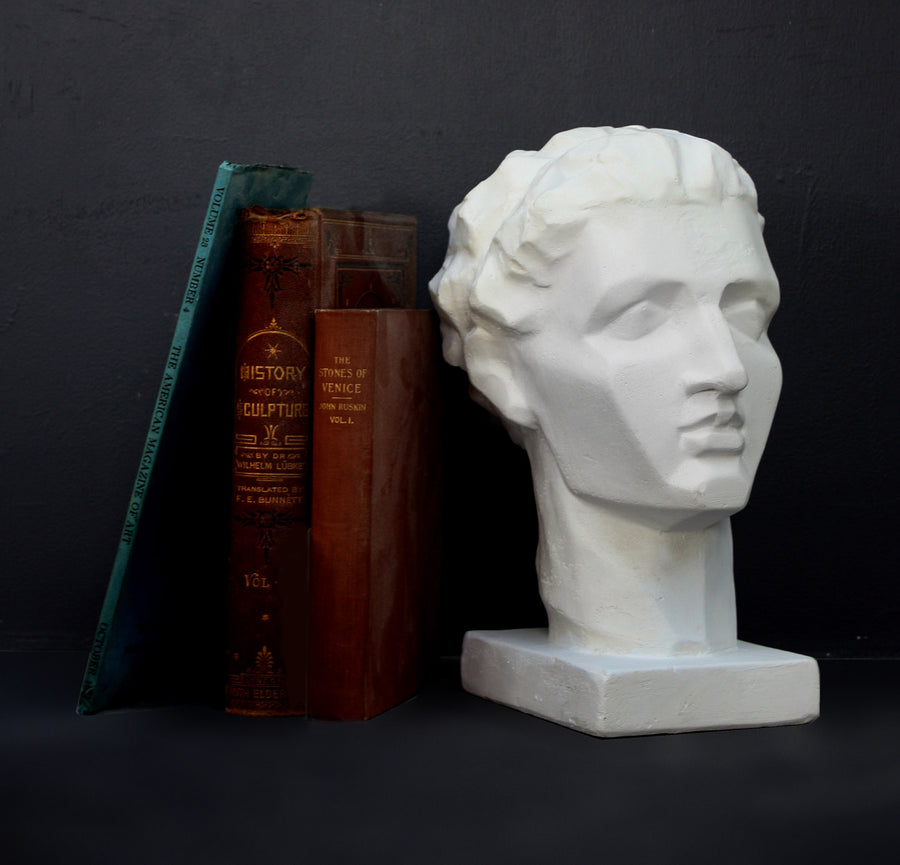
x=637, y=320
x=634, y=310
x=748, y=306
x=747, y=317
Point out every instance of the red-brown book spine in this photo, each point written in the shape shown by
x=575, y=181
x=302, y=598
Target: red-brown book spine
x=268, y=579
x=293, y=262
x=375, y=509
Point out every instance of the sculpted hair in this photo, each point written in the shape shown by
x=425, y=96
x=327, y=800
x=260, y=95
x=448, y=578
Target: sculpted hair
x=509, y=231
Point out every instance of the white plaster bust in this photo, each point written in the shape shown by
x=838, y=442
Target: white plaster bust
x=609, y=297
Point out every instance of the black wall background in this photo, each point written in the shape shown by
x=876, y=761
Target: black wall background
x=114, y=116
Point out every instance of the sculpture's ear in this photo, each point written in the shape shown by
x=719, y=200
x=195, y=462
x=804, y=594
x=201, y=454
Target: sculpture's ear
x=494, y=381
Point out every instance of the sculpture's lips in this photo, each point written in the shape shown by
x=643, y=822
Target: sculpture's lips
x=717, y=431
x=713, y=440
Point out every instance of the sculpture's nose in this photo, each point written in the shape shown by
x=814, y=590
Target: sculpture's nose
x=715, y=362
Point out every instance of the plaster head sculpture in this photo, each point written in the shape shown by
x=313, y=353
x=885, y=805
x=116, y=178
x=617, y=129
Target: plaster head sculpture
x=609, y=298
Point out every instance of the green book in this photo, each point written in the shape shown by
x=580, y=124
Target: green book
x=160, y=636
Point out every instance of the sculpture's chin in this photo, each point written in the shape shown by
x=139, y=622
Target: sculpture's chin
x=674, y=519
x=686, y=510
x=676, y=508
x=697, y=520
x=703, y=497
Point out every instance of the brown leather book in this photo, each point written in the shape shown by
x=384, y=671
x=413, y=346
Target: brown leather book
x=292, y=263
x=375, y=509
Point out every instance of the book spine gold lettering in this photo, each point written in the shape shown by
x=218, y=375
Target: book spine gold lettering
x=342, y=425
x=271, y=466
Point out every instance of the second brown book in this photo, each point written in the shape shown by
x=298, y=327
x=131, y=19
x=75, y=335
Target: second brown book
x=293, y=262
x=375, y=511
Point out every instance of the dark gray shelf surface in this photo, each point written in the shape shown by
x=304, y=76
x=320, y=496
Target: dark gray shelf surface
x=444, y=778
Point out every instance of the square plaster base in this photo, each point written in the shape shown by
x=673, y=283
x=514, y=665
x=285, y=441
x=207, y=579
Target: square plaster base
x=628, y=695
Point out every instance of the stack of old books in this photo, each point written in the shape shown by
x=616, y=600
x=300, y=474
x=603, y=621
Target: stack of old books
x=311, y=566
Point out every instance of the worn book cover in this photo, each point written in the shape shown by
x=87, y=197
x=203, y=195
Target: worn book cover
x=292, y=263
x=375, y=509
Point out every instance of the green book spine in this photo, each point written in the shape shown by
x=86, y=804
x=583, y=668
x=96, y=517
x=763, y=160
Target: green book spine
x=152, y=639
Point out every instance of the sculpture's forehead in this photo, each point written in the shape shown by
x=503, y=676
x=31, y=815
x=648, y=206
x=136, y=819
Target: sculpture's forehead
x=679, y=242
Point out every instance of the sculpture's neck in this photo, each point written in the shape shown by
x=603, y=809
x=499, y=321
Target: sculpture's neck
x=613, y=584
